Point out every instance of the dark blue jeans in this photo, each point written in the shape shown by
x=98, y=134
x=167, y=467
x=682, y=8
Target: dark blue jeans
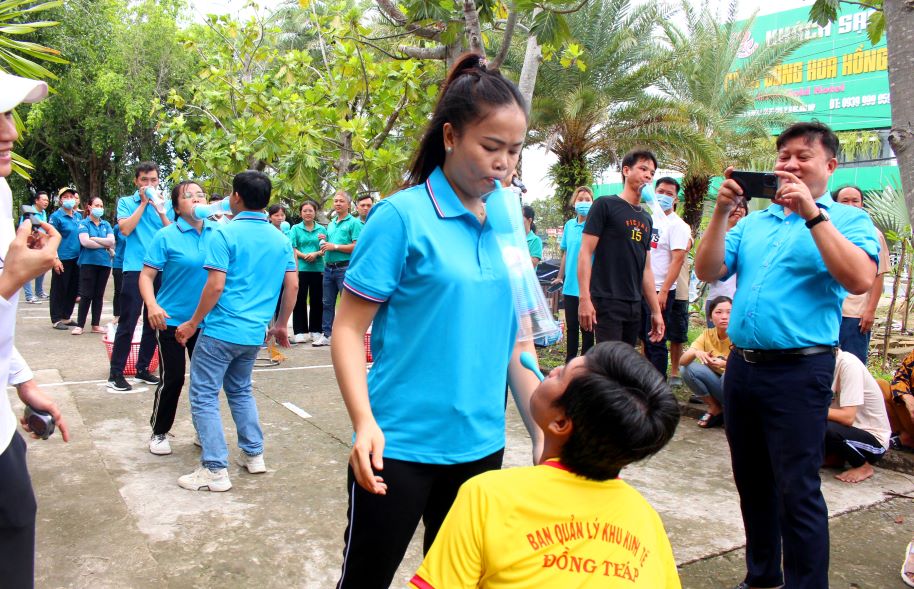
x=776, y=419
x=851, y=340
x=333, y=286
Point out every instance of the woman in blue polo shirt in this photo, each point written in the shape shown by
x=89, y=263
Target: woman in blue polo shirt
x=95, y=236
x=177, y=251
x=572, y=235
x=430, y=275
x=65, y=277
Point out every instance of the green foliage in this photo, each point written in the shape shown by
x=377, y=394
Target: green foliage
x=333, y=114
x=889, y=213
x=826, y=11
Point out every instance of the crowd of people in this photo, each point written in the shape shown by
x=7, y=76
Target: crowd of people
x=213, y=282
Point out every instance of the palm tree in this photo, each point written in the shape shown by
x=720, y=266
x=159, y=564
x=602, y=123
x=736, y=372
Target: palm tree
x=718, y=87
x=589, y=113
x=17, y=56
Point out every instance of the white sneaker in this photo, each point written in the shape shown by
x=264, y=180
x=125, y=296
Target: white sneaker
x=301, y=338
x=254, y=464
x=158, y=445
x=323, y=340
x=204, y=479
x=315, y=336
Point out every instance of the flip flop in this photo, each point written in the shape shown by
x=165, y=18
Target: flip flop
x=907, y=567
x=708, y=420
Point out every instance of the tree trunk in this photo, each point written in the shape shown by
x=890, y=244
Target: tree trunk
x=899, y=30
x=694, y=191
x=533, y=57
x=907, y=296
x=888, y=318
x=472, y=28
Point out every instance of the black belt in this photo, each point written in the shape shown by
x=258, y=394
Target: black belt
x=770, y=356
x=337, y=264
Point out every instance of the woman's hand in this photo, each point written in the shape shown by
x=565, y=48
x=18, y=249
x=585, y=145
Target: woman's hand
x=157, y=316
x=310, y=257
x=703, y=357
x=366, y=457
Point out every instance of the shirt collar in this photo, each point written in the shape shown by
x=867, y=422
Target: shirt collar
x=250, y=216
x=444, y=199
x=184, y=226
x=823, y=202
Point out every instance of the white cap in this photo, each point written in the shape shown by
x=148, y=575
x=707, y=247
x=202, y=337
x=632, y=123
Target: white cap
x=15, y=90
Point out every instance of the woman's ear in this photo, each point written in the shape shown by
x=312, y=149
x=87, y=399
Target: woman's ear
x=450, y=136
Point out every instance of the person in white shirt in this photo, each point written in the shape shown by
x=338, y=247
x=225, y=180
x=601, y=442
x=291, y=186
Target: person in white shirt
x=23, y=256
x=671, y=239
x=858, y=428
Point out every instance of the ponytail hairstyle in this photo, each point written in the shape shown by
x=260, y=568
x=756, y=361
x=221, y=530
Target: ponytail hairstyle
x=176, y=193
x=529, y=213
x=468, y=94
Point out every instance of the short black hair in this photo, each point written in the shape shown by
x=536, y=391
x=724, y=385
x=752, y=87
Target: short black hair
x=37, y=195
x=668, y=180
x=275, y=208
x=810, y=131
x=621, y=410
x=633, y=157
x=852, y=186
x=716, y=301
x=363, y=197
x=254, y=188
x=145, y=167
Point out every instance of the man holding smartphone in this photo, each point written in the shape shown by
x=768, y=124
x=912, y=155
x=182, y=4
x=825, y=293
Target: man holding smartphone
x=796, y=261
x=21, y=260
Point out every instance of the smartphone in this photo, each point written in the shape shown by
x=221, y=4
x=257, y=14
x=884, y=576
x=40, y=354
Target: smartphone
x=756, y=184
x=553, y=288
x=40, y=422
x=30, y=213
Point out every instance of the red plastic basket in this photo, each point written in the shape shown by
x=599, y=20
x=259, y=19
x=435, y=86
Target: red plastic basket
x=130, y=367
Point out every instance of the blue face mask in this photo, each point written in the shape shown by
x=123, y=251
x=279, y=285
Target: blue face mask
x=97, y=212
x=582, y=208
x=68, y=203
x=665, y=201
x=647, y=193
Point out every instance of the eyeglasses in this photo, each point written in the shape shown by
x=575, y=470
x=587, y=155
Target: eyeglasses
x=189, y=195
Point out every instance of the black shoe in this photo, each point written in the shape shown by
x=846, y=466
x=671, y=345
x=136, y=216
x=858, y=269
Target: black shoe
x=117, y=382
x=147, y=377
x=60, y=325
x=70, y=323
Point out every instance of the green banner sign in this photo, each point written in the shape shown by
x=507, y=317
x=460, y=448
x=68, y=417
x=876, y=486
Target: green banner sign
x=838, y=75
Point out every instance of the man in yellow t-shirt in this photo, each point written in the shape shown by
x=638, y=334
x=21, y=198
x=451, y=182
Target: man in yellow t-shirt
x=570, y=521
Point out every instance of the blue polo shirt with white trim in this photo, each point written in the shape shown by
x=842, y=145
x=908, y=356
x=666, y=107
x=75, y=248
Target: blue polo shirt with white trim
x=178, y=253
x=68, y=227
x=95, y=257
x=141, y=236
x=786, y=297
x=255, y=257
x=445, y=329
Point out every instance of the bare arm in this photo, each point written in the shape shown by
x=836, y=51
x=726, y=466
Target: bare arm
x=561, y=276
x=586, y=312
x=128, y=224
x=347, y=350
x=88, y=243
x=522, y=383
x=157, y=315
x=215, y=284
x=658, y=327
x=289, y=295
x=677, y=259
x=106, y=241
x=872, y=301
x=709, y=259
x=843, y=415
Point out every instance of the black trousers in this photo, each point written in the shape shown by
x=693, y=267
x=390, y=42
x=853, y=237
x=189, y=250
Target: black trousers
x=17, y=518
x=617, y=320
x=657, y=352
x=131, y=306
x=172, y=363
x=572, y=328
x=305, y=320
x=64, y=290
x=776, y=420
x=118, y=274
x=381, y=526
x=92, y=282
x=854, y=445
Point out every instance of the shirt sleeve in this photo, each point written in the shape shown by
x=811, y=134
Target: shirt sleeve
x=123, y=208
x=731, y=247
x=82, y=228
x=380, y=258
x=849, y=381
x=597, y=217
x=536, y=247
x=455, y=559
x=157, y=252
x=291, y=266
x=699, y=343
x=563, y=245
x=218, y=255
x=19, y=369
x=680, y=236
x=860, y=231
x=356, y=230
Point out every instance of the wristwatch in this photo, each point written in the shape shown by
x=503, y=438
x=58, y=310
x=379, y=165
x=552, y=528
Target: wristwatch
x=822, y=216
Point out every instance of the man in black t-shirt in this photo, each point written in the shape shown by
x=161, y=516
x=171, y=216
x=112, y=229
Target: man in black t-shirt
x=617, y=237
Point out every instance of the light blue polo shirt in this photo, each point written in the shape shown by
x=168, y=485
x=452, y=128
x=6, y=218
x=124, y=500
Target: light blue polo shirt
x=141, y=236
x=68, y=226
x=785, y=297
x=95, y=257
x=572, y=235
x=120, y=245
x=255, y=257
x=178, y=253
x=445, y=329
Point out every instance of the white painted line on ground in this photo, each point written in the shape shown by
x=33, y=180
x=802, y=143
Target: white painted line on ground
x=105, y=381
x=296, y=410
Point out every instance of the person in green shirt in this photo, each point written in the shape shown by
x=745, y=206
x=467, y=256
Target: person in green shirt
x=305, y=238
x=534, y=243
x=342, y=233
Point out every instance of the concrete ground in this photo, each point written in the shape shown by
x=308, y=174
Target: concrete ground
x=112, y=515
